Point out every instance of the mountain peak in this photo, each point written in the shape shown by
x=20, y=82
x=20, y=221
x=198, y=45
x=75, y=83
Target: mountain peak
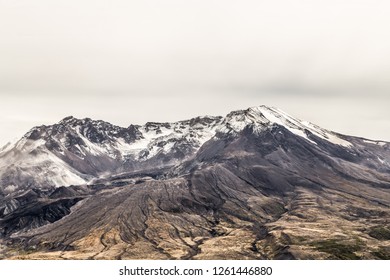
x=255, y=116
x=70, y=120
x=253, y=112
x=263, y=117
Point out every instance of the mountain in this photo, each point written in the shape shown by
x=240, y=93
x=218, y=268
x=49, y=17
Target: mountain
x=76, y=151
x=255, y=184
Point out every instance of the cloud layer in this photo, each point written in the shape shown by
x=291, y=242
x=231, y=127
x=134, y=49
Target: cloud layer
x=134, y=61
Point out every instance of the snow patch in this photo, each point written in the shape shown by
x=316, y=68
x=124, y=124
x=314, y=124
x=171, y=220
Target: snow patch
x=10, y=188
x=380, y=143
x=42, y=165
x=281, y=118
x=6, y=148
x=298, y=127
x=381, y=160
x=168, y=147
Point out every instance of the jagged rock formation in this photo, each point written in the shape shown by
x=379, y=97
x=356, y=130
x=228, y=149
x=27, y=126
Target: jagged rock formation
x=256, y=184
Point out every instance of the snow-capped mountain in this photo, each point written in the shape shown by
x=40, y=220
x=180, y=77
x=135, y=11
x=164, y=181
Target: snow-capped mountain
x=263, y=117
x=76, y=151
x=256, y=183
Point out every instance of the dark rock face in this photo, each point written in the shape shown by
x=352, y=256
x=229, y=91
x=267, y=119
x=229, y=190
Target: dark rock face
x=245, y=193
x=36, y=215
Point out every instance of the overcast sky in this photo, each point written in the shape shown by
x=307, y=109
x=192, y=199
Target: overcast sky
x=129, y=62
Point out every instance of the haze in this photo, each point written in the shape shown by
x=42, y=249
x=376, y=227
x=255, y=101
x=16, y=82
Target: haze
x=129, y=62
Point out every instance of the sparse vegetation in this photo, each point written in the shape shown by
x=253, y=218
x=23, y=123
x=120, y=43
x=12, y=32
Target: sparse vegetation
x=338, y=250
x=382, y=253
x=274, y=208
x=380, y=233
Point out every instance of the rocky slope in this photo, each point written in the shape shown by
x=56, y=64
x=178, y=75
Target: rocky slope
x=256, y=184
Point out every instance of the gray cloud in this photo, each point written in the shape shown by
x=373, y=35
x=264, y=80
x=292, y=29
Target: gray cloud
x=134, y=61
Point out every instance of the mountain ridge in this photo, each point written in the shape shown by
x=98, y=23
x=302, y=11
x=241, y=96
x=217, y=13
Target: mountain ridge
x=255, y=184
x=72, y=139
